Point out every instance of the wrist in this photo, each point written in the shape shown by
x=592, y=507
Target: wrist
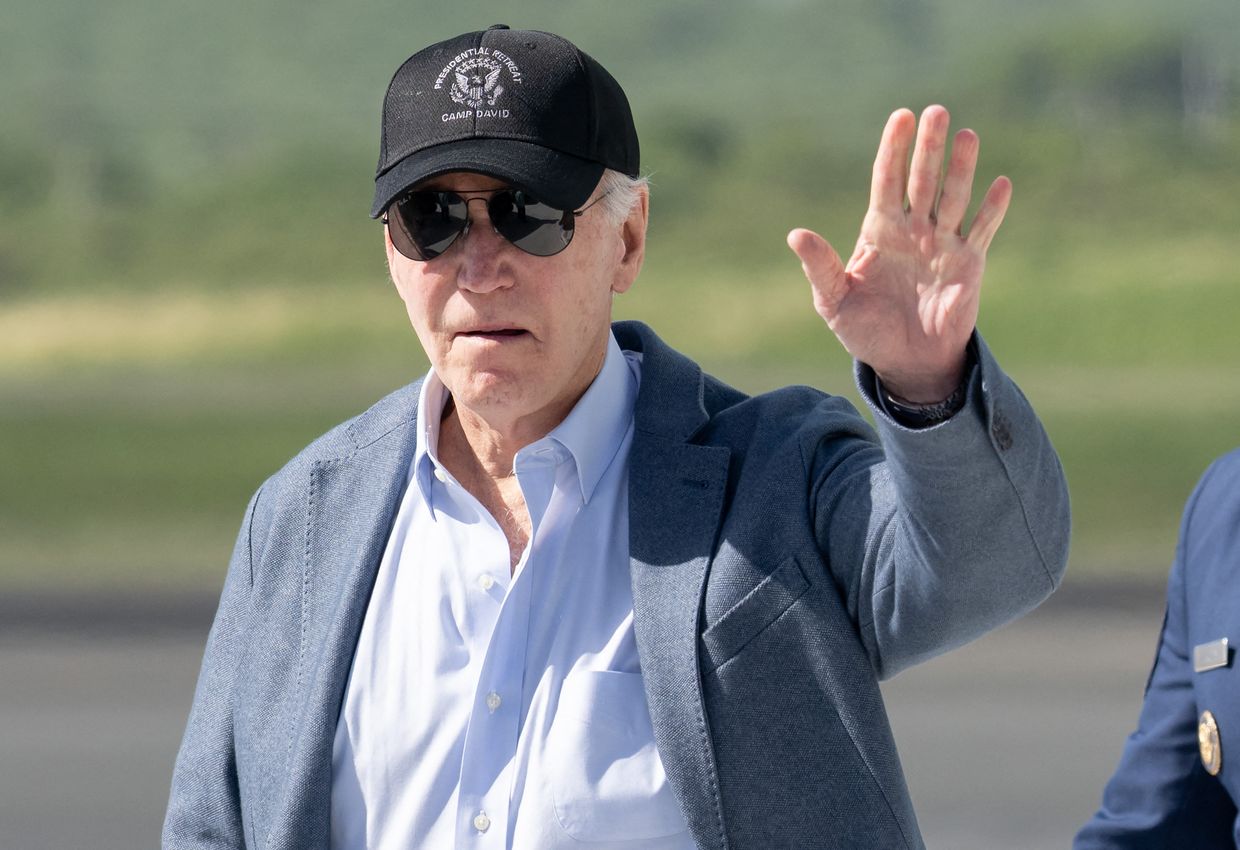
x=921, y=390
x=921, y=404
x=931, y=381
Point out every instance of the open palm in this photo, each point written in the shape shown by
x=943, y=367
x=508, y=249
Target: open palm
x=906, y=302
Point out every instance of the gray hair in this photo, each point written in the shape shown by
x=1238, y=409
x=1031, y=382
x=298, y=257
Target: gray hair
x=622, y=194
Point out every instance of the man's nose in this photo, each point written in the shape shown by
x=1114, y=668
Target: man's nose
x=481, y=248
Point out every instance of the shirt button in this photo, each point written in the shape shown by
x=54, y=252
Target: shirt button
x=493, y=701
x=481, y=822
x=441, y=475
x=486, y=582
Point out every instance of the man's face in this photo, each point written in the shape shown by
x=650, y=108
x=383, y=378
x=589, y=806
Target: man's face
x=517, y=338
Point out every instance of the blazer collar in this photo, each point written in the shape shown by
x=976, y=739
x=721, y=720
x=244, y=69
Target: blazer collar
x=670, y=403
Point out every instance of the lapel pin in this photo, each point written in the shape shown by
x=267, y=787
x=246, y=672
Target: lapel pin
x=1209, y=744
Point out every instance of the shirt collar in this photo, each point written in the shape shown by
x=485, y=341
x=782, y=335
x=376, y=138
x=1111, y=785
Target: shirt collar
x=592, y=432
x=431, y=401
x=595, y=428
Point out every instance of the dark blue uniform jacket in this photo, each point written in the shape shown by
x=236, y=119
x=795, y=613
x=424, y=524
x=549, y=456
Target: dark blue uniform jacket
x=1162, y=795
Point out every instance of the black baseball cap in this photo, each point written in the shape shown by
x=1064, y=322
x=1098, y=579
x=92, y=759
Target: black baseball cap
x=523, y=106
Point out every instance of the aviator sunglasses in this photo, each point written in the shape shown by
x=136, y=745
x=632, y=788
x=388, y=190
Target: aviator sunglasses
x=424, y=224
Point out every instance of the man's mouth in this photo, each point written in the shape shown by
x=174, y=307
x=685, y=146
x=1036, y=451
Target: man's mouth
x=494, y=333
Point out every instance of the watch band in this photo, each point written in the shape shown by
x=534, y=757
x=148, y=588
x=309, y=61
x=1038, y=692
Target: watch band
x=914, y=415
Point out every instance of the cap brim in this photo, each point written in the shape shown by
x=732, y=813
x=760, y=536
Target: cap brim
x=559, y=179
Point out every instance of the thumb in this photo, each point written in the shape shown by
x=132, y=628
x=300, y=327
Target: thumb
x=823, y=268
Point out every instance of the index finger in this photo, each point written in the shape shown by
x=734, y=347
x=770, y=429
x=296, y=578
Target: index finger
x=890, y=178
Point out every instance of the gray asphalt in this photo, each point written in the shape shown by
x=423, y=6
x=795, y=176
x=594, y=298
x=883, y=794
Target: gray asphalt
x=1006, y=743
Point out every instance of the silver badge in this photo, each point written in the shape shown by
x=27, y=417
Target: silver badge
x=1210, y=656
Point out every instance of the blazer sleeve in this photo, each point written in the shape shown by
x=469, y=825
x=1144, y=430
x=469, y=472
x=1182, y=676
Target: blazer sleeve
x=949, y=531
x=1161, y=796
x=204, y=807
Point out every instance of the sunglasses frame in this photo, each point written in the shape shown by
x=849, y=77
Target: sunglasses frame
x=567, y=220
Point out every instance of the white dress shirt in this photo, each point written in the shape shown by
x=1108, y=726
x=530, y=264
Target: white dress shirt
x=484, y=711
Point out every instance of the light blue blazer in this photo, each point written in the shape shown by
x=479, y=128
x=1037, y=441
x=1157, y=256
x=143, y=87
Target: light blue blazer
x=782, y=562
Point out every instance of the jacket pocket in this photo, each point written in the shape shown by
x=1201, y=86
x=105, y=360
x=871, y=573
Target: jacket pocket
x=757, y=610
x=607, y=779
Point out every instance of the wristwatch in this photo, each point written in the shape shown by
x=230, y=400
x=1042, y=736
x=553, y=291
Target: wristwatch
x=910, y=414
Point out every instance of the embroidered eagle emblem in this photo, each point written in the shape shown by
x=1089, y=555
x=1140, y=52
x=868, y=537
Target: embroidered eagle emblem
x=477, y=85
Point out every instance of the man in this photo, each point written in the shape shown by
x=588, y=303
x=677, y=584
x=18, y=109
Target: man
x=1176, y=784
x=569, y=591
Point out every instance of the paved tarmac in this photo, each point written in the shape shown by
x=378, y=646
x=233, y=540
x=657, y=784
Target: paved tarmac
x=1006, y=743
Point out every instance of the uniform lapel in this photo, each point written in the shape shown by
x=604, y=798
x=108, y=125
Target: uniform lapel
x=351, y=505
x=676, y=493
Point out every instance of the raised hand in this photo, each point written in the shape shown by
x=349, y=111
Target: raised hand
x=906, y=302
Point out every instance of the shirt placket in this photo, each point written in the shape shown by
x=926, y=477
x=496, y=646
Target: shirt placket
x=496, y=712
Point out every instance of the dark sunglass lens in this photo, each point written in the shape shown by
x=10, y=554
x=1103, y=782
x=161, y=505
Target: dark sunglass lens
x=531, y=225
x=398, y=232
x=430, y=222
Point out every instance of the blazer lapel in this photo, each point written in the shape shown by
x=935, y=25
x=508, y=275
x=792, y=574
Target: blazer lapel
x=352, y=502
x=676, y=494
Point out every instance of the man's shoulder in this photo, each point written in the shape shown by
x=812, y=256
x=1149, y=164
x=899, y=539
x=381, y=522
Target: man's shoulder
x=1220, y=484
x=1211, y=526
x=678, y=398
x=393, y=412
x=1227, y=466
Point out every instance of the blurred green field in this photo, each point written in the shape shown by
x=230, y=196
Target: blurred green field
x=133, y=429
x=190, y=289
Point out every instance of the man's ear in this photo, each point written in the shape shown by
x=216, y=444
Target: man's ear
x=393, y=257
x=633, y=239
x=389, y=248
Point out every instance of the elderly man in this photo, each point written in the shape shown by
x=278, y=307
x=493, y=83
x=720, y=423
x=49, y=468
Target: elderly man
x=569, y=591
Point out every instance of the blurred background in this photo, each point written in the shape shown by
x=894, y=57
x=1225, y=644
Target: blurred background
x=191, y=290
